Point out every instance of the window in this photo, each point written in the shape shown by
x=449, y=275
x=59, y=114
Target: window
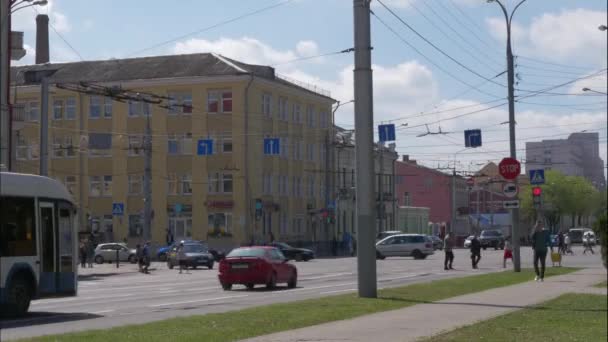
x=172, y=184
x=227, y=145
x=17, y=228
x=94, y=186
x=179, y=144
x=135, y=184
x=33, y=110
x=267, y=184
x=284, y=150
x=297, y=113
x=186, y=144
x=310, y=116
x=186, y=184
x=220, y=222
x=267, y=105
x=62, y=147
x=310, y=152
x=136, y=145
x=180, y=103
x=22, y=149
x=219, y=101
x=138, y=108
x=107, y=107
x=70, y=108
x=172, y=144
x=58, y=109
x=64, y=109
x=227, y=183
x=57, y=147
x=283, y=108
x=95, y=107
x=135, y=225
x=298, y=147
x=70, y=183
x=283, y=223
x=107, y=186
x=311, y=186
x=100, y=144
x=406, y=199
x=323, y=120
x=322, y=153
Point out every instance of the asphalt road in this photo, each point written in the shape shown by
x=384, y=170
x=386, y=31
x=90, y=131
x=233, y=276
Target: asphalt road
x=109, y=297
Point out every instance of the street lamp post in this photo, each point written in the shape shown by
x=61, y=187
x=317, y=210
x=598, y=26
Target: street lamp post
x=594, y=91
x=510, y=87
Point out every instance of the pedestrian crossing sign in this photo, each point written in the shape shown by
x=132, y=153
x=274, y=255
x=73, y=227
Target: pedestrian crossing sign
x=537, y=177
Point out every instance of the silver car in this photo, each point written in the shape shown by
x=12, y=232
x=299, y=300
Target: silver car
x=416, y=245
x=107, y=252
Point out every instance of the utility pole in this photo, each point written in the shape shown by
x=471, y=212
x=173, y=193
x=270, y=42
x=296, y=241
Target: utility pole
x=44, y=126
x=147, y=176
x=364, y=151
x=510, y=87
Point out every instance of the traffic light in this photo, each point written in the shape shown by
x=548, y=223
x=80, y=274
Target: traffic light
x=536, y=196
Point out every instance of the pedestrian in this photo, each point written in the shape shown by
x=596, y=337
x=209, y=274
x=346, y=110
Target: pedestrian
x=139, y=257
x=169, y=237
x=540, y=241
x=83, y=254
x=561, y=246
x=448, y=245
x=181, y=257
x=90, y=250
x=271, y=236
x=568, y=245
x=475, y=251
x=334, y=246
x=353, y=241
x=588, y=243
x=146, y=257
x=508, y=254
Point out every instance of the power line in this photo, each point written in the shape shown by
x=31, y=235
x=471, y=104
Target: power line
x=546, y=90
x=315, y=56
x=403, y=40
x=539, y=61
x=228, y=21
x=437, y=48
x=465, y=15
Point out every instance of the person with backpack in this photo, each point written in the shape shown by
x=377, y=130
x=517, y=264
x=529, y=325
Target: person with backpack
x=475, y=251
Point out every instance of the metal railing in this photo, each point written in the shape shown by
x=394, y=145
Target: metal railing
x=305, y=85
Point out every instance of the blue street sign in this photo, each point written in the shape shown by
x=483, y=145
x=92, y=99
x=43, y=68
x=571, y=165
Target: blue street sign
x=272, y=146
x=537, y=177
x=177, y=208
x=331, y=205
x=386, y=132
x=118, y=209
x=204, y=147
x=472, y=138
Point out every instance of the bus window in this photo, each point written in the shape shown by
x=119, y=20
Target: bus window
x=66, y=243
x=17, y=228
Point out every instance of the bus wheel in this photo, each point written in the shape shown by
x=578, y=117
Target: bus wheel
x=19, y=296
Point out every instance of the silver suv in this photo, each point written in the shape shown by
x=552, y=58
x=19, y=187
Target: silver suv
x=107, y=252
x=416, y=245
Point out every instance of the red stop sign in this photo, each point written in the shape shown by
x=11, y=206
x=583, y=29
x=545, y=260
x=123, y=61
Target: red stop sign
x=509, y=168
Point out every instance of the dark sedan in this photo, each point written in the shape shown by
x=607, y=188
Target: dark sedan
x=491, y=238
x=294, y=253
x=196, y=255
x=437, y=242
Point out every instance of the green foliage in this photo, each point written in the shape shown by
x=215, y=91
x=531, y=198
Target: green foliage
x=563, y=195
x=601, y=230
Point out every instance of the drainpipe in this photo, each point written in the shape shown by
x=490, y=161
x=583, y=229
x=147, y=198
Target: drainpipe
x=246, y=155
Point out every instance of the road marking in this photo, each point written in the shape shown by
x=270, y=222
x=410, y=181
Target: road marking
x=327, y=276
x=53, y=301
x=100, y=312
x=336, y=291
x=196, y=301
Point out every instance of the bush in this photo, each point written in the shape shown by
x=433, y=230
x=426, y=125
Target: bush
x=601, y=230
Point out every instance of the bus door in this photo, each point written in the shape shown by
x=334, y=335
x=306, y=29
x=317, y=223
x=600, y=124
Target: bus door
x=67, y=266
x=49, y=268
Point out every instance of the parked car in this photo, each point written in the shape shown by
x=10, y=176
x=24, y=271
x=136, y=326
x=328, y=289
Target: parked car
x=416, y=245
x=107, y=252
x=467, y=241
x=491, y=238
x=257, y=265
x=387, y=233
x=576, y=234
x=197, y=254
x=293, y=253
x=437, y=242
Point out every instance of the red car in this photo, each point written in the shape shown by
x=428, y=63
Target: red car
x=254, y=265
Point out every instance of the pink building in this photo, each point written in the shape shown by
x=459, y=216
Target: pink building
x=421, y=186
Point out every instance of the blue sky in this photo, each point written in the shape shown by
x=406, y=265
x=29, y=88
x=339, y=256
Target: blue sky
x=558, y=41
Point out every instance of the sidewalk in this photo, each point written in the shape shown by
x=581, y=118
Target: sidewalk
x=424, y=320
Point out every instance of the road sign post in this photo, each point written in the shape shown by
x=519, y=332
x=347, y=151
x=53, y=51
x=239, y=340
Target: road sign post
x=272, y=146
x=386, y=132
x=204, y=147
x=537, y=177
x=510, y=190
x=509, y=168
x=118, y=209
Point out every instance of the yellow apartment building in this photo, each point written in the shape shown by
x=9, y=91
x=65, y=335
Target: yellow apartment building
x=234, y=195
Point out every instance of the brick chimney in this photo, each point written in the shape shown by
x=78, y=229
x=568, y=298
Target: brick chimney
x=42, y=39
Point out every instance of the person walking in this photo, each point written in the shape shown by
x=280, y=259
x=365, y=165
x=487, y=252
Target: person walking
x=139, y=257
x=90, y=250
x=568, y=245
x=508, y=254
x=540, y=241
x=83, y=254
x=475, y=251
x=146, y=257
x=561, y=248
x=181, y=257
x=588, y=243
x=448, y=245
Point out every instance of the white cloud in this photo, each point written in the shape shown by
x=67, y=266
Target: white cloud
x=567, y=36
x=60, y=22
x=307, y=48
x=25, y=19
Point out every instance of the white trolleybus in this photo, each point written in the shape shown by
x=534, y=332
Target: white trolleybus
x=38, y=241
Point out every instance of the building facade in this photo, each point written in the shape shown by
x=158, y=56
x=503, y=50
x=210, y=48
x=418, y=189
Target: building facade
x=577, y=155
x=344, y=184
x=235, y=192
x=414, y=220
x=420, y=186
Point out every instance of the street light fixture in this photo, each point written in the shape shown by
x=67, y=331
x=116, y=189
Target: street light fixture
x=594, y=91
x=602, y=28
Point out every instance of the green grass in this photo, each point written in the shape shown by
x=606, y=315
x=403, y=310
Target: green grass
x=256, y=321
x=602, y=284
x=570, y=317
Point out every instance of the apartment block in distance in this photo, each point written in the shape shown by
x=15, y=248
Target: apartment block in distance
x=577, y=155
x=235, y=194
